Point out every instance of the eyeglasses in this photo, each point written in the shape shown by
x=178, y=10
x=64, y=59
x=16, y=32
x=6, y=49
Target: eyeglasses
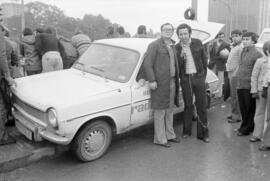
x=168, y=29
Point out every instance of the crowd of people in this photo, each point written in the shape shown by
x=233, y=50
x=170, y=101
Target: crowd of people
x=38, y=51
x=246, y=67
x=248, y=72
x=166, y=62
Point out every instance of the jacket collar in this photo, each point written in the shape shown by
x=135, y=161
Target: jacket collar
x=163, y=41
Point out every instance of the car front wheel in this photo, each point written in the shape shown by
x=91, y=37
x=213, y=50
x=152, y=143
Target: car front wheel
x=92, y=141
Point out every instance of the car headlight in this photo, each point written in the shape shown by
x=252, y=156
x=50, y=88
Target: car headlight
x=52, y=117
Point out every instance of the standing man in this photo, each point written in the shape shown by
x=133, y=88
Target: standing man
x=247, y=103
x=218, y=56
x=4, y=72
x=192, y=59
x=232, y=67
x=162, y=72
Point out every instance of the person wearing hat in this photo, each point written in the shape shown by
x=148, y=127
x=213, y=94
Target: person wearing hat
x=5, y=76
x=80, y=41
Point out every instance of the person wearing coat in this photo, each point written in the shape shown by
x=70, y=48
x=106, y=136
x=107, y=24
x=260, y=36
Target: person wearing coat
x=161, y=69
x=257, y=84
x=218, y=59
x=192, y=59
x=29, y=52
x=4, y=76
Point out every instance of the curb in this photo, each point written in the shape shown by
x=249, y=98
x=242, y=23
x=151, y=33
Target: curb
x=26, y=159
x=31, y=157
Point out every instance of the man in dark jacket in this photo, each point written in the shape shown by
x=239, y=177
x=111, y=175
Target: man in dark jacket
x=162, y=72
x=48, y=47
x=218, y=58
x=29, y=52
x=4, y=74
x=193, y=69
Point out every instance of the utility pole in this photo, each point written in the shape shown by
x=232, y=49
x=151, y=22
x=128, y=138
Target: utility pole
x=194, y=6
x=22, y=14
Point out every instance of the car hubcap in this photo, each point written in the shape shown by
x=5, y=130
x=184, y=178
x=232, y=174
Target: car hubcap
x=94, y=142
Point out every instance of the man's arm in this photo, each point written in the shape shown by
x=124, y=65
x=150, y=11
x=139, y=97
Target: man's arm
x=38, y=45
x=204, y=57
x=148, y=63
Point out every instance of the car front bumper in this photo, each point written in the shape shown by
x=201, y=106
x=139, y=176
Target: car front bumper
x=35, y=131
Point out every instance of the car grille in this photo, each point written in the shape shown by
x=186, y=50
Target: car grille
x=31, y=110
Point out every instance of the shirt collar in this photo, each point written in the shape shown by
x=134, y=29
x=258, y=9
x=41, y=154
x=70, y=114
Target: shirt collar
x=247, y=49
x=186, y=44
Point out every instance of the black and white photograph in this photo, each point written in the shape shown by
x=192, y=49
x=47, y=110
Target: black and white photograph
x=134, y=90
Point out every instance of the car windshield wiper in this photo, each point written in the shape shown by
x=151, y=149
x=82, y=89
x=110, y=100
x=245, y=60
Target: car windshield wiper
x=83, y=66
x=100, y=70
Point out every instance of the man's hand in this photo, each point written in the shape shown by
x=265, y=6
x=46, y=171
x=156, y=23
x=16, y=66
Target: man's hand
x=22, y=62
x=153, y=85
x=264, y=92
x=11, y=81
x=255, y=95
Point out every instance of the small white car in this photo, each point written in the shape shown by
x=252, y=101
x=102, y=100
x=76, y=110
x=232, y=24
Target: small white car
x=100, y=96
x=264, y=37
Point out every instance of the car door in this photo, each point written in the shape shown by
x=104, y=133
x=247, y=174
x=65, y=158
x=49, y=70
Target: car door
x=141, y=111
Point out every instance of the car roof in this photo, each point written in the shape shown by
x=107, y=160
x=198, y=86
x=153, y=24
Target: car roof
x=141, y=44
x=138, y=44
x=212, y=28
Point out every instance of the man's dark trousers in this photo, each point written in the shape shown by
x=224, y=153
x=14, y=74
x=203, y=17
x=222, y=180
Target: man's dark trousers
x=195, y=85
x=247, y=106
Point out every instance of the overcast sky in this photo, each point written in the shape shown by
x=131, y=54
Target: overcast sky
x=129, y=13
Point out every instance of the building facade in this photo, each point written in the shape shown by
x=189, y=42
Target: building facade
x=252, y=15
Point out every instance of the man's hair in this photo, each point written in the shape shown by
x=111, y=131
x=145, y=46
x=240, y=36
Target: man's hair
x=27, y=31
x=141, y=30
x=252, y=35
x=165, y=24
x=220, y=33
x=184, y=26
x=40, y=30
x=236, y=32
x=266, y=46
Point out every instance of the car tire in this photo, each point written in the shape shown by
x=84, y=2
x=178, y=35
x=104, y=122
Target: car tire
x=92, y=141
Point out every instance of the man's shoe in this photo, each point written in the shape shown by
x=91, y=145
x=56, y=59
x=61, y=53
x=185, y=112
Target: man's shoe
x=166, y=145
x=185, y=136
x=233, y=121
x=254, y=139
x=206, y=140
x=10, y=140
x=241, y=134
x=229, y=117
x=264, y=148
x=175, y=140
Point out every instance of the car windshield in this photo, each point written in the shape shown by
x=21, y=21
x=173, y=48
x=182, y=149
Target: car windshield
x=264, y=37
x=202, y=35
x=107, y=61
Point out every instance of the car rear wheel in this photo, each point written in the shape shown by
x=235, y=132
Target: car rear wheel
x=92, y=141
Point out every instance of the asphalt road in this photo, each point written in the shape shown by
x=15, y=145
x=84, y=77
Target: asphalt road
x=133, y=157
